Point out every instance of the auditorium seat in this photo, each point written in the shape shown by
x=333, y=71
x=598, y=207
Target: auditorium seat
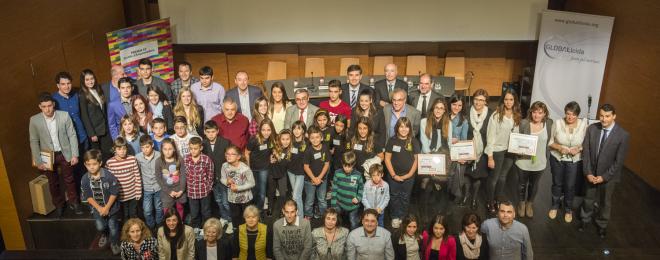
x=455, y=67
x=415, y=65
x=379, y=64
x=345, y=62
x=316, y=66
x=276, y=70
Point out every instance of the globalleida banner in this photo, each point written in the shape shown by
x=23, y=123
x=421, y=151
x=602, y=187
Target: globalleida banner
x=151, y=40
x=570, y=60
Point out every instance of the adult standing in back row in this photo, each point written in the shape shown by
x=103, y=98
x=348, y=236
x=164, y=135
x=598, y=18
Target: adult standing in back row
x=244, y=94
x=146, y=79
x=207, y=93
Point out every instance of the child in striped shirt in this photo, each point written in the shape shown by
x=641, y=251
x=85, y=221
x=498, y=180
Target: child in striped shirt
x=125, y=168
x=347, y=190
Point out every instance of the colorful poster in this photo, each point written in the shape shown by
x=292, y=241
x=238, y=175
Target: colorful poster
x=151, y=40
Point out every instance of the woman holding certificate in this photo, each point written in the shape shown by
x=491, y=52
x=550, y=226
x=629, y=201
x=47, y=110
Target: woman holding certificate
x=531, y=167
x=478, y=120
x=505, y=119
x=566, y=160
x=435, y=134
x=401, y=162
x=459, y=132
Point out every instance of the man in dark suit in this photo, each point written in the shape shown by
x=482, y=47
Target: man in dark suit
x=111, y=88
x=350, y=91
x=385, y=87
x=424, y=96
x=146, y=79
x=244, y=94
x=604, y=149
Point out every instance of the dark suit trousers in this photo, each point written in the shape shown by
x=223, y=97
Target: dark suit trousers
x=601, y=193
x=61, y=166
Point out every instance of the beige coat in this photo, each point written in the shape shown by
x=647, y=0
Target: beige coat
x=187, y=250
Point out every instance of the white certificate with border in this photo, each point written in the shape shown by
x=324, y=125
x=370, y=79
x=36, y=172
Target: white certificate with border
x=523, y=144
x=463, y=151
x=431, y=164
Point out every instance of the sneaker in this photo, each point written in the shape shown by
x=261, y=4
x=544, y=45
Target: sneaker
x=529, y=209
x=103, y=241
x=230, y=228
x=552, y=214
x=521, y=209
x=115, y=249
x=396, y=223
x=568, y=217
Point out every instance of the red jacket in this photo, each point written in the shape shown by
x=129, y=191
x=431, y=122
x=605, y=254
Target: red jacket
x=447, y=247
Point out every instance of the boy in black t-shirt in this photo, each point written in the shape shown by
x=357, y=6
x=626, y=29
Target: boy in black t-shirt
x=316, y=165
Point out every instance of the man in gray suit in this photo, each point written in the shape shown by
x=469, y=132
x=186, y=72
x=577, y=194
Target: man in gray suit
x=53, y=131
x=146, y=79
x=386, y=86
x=399, y=108
x=303, y=110
x=604, y=150
x=424, y=96
x=244, y=94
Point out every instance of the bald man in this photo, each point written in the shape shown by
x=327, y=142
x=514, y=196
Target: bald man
x=110, y=88
x=244, y=94
x=385, y=87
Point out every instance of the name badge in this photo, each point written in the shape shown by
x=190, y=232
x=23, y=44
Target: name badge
x=357, y=147
x=317, y=156
x=396, y=148
x=263, y=147
x=283, y=156
x=294, y=150
x=336, y=142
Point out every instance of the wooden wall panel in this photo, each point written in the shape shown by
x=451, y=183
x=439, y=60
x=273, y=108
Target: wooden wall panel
x=34, y=33
x=9, y=221
x=631, y=82
x=79, y=55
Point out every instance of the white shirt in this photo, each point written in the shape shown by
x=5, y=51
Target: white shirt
x=245, y=103
x=51, y=124
x=421, y=101
x=278, y=118
x=562, y=136
x=295, y=223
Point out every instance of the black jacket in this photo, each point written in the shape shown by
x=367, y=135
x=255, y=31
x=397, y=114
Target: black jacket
x=224, y=247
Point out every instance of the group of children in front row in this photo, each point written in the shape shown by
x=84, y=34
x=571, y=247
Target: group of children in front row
x=170, y=172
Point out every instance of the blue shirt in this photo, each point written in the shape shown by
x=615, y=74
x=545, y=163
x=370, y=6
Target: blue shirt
x=393, y=120
x=158, y=143
x=115, y=112
x=459, y=132
x=114, y=93
x=72, y=106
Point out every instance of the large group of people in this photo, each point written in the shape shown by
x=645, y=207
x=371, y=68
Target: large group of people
x=158, y=157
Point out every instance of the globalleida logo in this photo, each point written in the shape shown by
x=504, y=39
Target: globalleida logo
x=557, y=47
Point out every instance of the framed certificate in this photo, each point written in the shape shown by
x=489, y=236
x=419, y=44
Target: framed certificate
x=463, y=151
x=431, y=164
x=523, y=144
x=47, y=157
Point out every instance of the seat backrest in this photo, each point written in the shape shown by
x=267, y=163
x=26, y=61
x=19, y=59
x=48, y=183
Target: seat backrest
x=315, y=65
x=276, y=70
x=455, y=65
x=345, y=62
x=379, y=64
x=415, y=65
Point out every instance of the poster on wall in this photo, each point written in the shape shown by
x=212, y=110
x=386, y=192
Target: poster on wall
x=570, y=60
x=151, y=40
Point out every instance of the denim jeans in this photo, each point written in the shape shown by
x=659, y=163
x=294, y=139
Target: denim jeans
x=259, y=189
x=400, y=197
x=315, y=193
x=150, y=203
x=198, y=206
x=108, y=224
x=220, y=196
x=297, y=184
x=564, y=176
x=381, y=220
x=353, y=217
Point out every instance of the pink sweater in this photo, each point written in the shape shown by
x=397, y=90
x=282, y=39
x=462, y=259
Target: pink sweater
x=447, y=247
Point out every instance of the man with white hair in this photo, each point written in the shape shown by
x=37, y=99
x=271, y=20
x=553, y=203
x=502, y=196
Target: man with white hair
x=386, y=86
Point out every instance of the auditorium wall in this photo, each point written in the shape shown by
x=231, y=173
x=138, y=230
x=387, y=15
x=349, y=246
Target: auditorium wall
x=41, y=38
x=631, y=81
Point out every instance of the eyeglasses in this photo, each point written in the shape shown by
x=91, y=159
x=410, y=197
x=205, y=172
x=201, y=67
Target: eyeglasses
x=231, y=154
x=480, y=99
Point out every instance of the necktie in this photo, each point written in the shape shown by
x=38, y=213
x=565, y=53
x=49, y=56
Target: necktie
x=390, y=88
x=301, y=115
x=602, y=141
x=353, y=98
x=424, y=106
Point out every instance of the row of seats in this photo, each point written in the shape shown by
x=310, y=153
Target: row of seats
x=415, y=64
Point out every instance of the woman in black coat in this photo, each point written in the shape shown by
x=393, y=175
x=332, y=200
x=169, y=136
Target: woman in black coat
x=408, y=231
x=93, y=113
x=214, y=238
